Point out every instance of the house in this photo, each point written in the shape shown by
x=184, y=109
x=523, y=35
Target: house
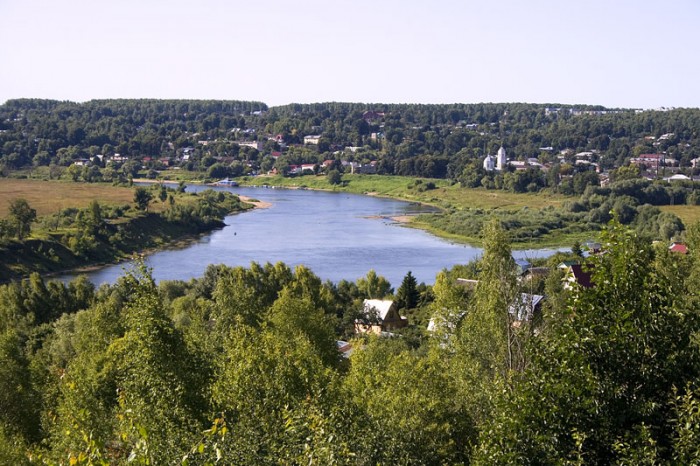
x=82, y=162
x=379, y=316
x=534, y=272
x=522, y=266
x=308, y=167
x=526, y=308
x=344, y=348
x=522, y=310
x=312, y=139
x=534, y=162
x=519, y=164
x=678, y=247
x=257, y=145
x=650, y=161
x=367, y=168
x=447, y=322
x=574, y=273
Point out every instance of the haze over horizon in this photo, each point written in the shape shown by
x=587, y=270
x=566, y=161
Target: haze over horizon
x=616, y=54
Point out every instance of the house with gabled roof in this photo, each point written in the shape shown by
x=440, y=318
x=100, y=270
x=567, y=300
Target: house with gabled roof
x=525, y=308
x=379, y=316
x=575, y=273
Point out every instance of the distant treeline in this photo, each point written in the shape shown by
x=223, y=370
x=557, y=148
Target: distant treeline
x=436, y=141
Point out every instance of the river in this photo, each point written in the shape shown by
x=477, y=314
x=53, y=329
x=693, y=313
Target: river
x=337, y=235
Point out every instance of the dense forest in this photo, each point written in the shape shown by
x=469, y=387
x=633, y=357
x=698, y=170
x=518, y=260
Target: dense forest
x=241, y=366
x=435, y=141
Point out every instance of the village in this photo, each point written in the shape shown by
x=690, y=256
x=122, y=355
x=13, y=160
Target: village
x=382, y=318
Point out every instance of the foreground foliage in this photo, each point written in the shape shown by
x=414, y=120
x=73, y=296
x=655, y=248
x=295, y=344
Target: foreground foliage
x=241, y=367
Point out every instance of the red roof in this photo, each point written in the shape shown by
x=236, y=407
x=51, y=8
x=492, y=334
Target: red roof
x=679, y=247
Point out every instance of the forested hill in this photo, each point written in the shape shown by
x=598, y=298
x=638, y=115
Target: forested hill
x=441, y=141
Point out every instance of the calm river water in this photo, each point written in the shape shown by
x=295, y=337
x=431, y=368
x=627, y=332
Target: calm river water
x=337, y=235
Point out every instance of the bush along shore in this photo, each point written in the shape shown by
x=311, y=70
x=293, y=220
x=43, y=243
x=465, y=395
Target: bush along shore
x=100, y=234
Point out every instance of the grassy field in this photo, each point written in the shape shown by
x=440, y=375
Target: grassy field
x=67, y=241
x=689, y=214
x=48, y=197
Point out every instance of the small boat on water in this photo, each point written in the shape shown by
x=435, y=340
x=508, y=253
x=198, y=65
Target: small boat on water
x=225, y=182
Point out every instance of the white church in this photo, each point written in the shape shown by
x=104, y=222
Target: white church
x=496, y=162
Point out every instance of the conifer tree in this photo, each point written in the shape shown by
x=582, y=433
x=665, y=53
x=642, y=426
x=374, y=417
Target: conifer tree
x=407, y=294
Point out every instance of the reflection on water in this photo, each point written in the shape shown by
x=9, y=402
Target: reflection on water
x=337, y=235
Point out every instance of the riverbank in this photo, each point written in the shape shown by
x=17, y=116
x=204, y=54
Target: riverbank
x=533, y=220
x=79, y=239
x=258, y=204
x=338, y=236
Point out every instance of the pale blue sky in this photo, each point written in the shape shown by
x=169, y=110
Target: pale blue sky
x=639, y=54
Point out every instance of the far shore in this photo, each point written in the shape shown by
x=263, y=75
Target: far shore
x=255, y=202
x=403, y=219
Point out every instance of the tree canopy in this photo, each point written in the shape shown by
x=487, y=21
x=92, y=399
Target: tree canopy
x=243, y=366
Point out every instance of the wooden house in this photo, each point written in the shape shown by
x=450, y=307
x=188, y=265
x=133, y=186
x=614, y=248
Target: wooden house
x=379, y=316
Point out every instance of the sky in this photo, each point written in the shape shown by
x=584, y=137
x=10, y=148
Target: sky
x=616, y=53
